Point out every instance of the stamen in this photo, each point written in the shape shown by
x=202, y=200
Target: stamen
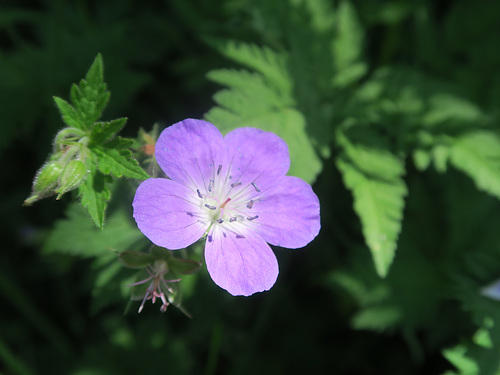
x=210, y=207
x=232, y=219
x=250, y=204
x=256, y=188
x=220, y=221
x=219, y=169
x=199, y=194
x=226, y=202
x=253, y=217
x=234, y=184
x=210, y=185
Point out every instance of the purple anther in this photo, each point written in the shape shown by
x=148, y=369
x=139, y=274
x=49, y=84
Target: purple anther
x=220, y=221
x=210, y=185
x=210, y=207
x=252, y=217
x=234, y=184
x=199, y=194
x=255, y=186
x=219, y=169
x=250, y=204
x=232, y=219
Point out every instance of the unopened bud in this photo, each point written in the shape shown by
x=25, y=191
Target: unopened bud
x=46, y=182
x=73, y=175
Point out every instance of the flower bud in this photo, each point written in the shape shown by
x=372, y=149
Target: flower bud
x=73, y=175
x=46, y=181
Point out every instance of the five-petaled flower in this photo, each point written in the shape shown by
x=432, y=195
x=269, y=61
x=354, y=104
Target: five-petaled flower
x=233, y=190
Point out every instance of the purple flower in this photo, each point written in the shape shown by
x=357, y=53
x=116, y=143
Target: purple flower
x=233, y=190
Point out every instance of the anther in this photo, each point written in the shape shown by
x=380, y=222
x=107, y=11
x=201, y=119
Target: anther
x=234, y=184
x=199, y=194
x=256, y=188
x=253, y=217
x=210, y=185
x=210, y=207
x=250, y=204
x=219, y=169
x=220, y=221
x=232, y=219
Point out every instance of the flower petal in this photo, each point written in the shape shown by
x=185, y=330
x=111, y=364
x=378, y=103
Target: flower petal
x=288, y=215
x=242, y=265
x=167, y=213
x=256, y=156
x=188, y=150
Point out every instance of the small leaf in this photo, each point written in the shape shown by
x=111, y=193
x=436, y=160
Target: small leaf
x=103, y=132
x=68, y=113
x=348, y=43
x=95, y=195
x=374, y=177
x=135, y=259
x=183, y=266
x=477, y=154
x=118, y=163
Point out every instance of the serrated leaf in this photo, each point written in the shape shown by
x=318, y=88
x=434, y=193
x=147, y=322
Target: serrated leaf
x=271, y=64
x=95, y=195
x=378, y=201
x=90, y=97
x=477, y=154
x=444, y=107
x=246, y=85
x=68, y=114
x=103, y=132
x=76, y=235
x=117, y=162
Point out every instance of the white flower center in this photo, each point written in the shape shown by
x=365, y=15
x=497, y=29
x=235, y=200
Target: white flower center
x=226, y=203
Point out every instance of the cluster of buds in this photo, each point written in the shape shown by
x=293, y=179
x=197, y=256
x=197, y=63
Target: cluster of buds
x=162, y=281
x=65, y=169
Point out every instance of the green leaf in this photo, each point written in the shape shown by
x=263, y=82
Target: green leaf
x=68, y=113
x=117, y=162
x=271, y=64
x=375, y=178
x=377, y=318
x=103, y=132
x=135, y=259
x=76, y=235
x=348, y=43
x=95, y=195
x=465, y=365
x=90, y=97
x=477, y=154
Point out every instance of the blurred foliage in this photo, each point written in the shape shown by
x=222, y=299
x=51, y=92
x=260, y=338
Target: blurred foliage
x=390, y=109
